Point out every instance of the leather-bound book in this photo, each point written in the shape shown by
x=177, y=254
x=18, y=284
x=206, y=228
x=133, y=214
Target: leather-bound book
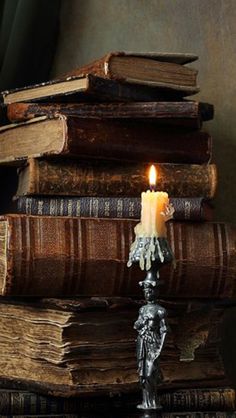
x=75, y=178
x=61, y=256
x=87, y=346
x=162, y=70
x=186, y=209
x=88, y=88
x=13, y=401
x=201, y=399
x=121, y=140
x=115, y=413
x=189, y=114
x=25, y=402
x=183, y=414
x=91, y=83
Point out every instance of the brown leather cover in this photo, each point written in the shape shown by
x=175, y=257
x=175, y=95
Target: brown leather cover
x=139, y=141
x=102, y=68
x=120, y=140
x=185, y=113
x=75, y=178
x=60, y=256
x=95, y=89
x=15, y=401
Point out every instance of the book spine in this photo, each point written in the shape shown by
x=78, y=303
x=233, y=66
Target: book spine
x=42, y=416
x=76, y=256
x=188, y=114
x=23, y=402
x=70, y=178
x=220, y=399
x=188, y=209
x=133, y=141
x=131, y=414
x=85, y=138
x=208, y=414
x=98, y=67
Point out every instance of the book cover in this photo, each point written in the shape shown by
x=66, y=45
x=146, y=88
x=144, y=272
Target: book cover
x=189, y=114
x=70, y=347
x=99, y=179
x=61, y=256
x=186, y=209
x=99, y=139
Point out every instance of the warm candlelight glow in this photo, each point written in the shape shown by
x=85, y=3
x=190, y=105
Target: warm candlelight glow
x=152, y=177
x=155, y=212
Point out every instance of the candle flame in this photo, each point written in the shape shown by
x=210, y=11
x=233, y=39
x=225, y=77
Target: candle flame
x=152, y=176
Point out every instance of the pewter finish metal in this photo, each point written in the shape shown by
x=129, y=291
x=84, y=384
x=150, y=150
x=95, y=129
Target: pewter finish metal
x=151, y=325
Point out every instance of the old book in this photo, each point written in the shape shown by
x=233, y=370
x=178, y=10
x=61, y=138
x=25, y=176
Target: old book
x=115, y=413
x=204, y=399
x=68, y=347
x=87, y=88
x=21, y=402
x=61, y=256
x=153, y=414
x=121, y=140
x=76, y=178
x=47, y=416
x=189, y=114
x=186, y=209
x=162, y=70
x=200, y=399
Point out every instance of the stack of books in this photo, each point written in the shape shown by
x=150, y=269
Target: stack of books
x=82, y=145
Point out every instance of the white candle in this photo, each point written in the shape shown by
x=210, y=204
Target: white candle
x=153, y=211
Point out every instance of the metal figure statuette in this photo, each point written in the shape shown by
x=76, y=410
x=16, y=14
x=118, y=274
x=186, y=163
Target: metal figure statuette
x=151, y=324
x=151, y=253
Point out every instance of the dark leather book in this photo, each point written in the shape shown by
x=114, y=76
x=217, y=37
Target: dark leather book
x=200, y=399
x=120, y=140
x=88, y=88
x=61, y=256
x=48, y=416
x=154, y=414
x=186, y=209
x=162, y=70
x=22, y=402
x=76, y=178
x=189, y=114
x=116, y=413
x=70, y=347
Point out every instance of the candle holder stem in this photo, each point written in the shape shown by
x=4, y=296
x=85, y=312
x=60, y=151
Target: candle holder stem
x=151, y=323
x=151, y=327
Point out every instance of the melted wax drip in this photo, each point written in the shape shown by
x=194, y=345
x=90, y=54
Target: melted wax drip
x=150, y=244
x=146, y=252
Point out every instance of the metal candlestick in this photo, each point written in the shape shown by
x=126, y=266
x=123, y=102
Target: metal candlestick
x=151, y=324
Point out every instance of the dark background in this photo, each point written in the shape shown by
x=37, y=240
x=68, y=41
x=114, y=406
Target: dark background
x=28, y=35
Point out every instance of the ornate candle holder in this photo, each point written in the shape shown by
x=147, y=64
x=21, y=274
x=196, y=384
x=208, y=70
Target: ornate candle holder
x=151, y=253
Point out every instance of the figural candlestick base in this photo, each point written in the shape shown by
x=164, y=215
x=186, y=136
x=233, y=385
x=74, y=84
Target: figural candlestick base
x=151, y=323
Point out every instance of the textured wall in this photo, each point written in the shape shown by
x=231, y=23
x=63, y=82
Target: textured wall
x=90, y=28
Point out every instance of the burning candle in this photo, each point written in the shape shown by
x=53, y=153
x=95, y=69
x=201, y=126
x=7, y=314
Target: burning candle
x=155, y=210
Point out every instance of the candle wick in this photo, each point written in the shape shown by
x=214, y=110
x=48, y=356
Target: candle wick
x=152, y=187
